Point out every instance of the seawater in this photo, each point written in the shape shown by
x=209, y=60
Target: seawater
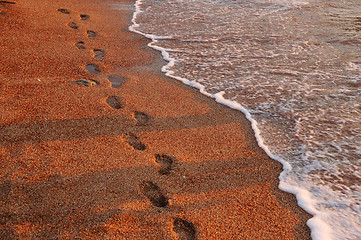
x=294, y=68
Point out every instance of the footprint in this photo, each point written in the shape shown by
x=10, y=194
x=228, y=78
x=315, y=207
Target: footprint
x=92, y=68
x=80, y=45
x=87, y=82
x=98, y=53
x=91, y=34
x=184, y=229
x=116, y=80
x=73, y=25
x=153, y=193
x=134, y=141
x=114, y=102
x=142, y=118
x=84, y=17
x=165, y=163
x=7, y=2
x=62, y=10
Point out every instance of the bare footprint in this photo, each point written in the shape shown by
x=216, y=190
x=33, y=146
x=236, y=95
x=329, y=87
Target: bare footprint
x=7, y=2
x=73, y=25
x=142, y=118
x=184, y=229
x=62, y=10
x=153, y=193
x=80, y=45
x=98, y=53
x=84, y=17
x=134, y=141
x=91, y=34
x=116, y=80
x=165, y=162
x=87, y=82
x=92, y=68
x=114, y=102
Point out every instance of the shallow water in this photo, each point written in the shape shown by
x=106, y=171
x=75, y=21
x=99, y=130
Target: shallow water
x=295, y=65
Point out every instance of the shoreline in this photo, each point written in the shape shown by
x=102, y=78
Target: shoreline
x=317, y=226
x=71, y=153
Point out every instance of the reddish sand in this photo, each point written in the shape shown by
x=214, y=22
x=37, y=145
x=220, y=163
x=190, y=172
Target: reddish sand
x=152, y=159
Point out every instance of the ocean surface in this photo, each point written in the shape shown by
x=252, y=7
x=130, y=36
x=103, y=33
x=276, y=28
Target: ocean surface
x=294, y=68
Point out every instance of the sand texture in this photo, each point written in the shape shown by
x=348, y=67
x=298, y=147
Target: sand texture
x=96, y=143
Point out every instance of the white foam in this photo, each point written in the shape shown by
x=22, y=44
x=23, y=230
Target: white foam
x=319, y=229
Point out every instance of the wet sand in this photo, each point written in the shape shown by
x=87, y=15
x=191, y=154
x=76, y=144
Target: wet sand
x=96, y=143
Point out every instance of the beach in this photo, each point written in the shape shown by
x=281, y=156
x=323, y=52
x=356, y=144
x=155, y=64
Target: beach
x=97, y=143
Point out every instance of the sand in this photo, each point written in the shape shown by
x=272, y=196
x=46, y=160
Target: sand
x=96, y=143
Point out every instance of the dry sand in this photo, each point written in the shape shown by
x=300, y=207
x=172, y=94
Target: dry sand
x=149, y=159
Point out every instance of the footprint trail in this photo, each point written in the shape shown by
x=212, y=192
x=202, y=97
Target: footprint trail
x=183, y=229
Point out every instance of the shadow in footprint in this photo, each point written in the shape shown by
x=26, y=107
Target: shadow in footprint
x=142, y=118
x=98, y=53
x=184, y=229
x=80, y=45
x=87, y=82
x=134, y=141
x=165, y=162
x=114, y=102
x=73, y=25
x=62, y=10
x=91, y=34
x=116, y=80
x=92, y=68
x=84, y=17
x=153, y=193
x=5, y=189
